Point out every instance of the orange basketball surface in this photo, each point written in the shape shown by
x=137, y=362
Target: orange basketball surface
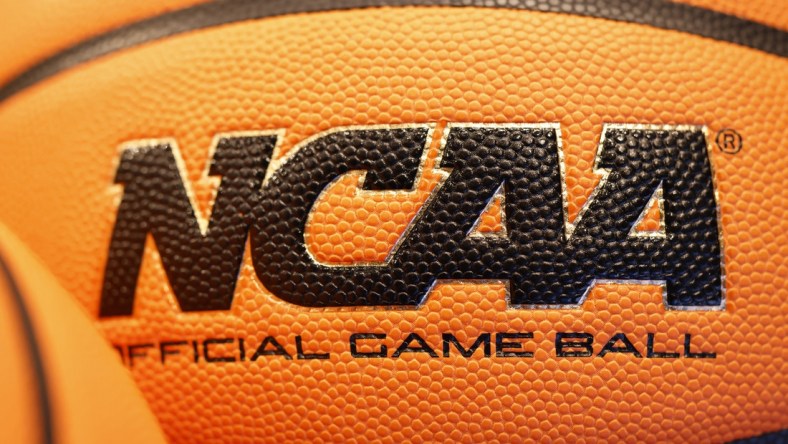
x=88, y=397
x=303, y=74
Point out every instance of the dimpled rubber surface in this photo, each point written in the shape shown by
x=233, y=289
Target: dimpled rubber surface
x=201, y=269
x=541, y=265
x=310, y=73
x=57, y=26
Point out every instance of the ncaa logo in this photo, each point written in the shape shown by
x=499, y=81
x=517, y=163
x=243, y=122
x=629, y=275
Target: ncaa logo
x=544, y=260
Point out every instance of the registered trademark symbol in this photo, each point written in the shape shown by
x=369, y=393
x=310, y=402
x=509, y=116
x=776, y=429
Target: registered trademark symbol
x=729, y=141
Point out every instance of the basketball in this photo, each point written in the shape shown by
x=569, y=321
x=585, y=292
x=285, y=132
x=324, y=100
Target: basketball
x=48, y=395
x=394, y=221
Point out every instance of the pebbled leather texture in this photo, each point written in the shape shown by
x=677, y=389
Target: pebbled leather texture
x=67, y=24
x=201, y=267
x=305, y=74
x=658, y=13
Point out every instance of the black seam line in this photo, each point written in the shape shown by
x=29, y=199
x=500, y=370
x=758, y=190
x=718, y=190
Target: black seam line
x=767, y=438
x=658, y=13
x=36, y=358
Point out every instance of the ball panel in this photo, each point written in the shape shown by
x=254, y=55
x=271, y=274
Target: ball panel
x=56, y=26
x=308, y=74
x=82, y=394
x=22, y=409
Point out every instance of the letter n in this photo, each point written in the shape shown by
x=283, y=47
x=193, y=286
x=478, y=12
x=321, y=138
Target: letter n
x=201, y=262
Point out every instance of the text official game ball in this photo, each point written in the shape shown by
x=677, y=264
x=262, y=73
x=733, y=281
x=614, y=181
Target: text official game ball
x=394, y=221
